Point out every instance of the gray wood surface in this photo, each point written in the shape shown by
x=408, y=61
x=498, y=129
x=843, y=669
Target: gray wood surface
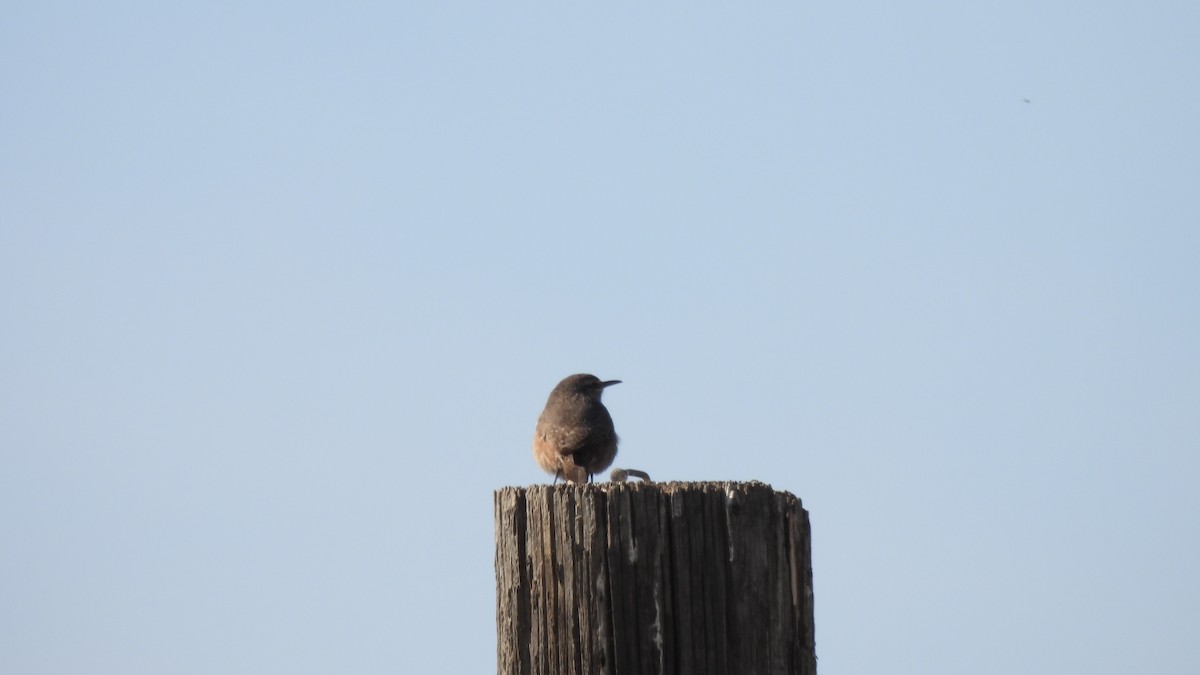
x=639, y=578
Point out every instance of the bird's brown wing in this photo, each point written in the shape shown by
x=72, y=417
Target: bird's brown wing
x=567, y=440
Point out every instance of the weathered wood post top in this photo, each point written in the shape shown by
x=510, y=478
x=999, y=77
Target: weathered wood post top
x=638, y=578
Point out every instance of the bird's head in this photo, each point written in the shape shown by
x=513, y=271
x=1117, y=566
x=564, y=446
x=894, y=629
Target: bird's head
x=586, y=385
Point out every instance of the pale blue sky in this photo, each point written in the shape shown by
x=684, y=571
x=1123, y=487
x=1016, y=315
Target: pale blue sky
x=284, y=287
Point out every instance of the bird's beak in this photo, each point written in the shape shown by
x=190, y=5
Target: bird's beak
x=609, y=383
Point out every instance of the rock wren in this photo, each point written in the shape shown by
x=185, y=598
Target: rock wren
x=575, y=436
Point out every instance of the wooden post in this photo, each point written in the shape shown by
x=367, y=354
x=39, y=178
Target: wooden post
x=639, y=578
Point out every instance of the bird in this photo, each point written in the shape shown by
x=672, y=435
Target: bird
x=575, y=438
